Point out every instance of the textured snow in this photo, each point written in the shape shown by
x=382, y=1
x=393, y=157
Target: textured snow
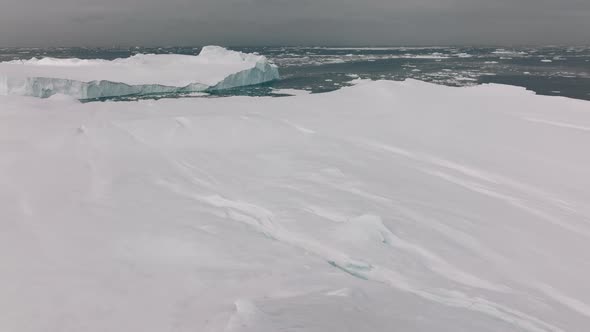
x=385, y=206
x=213, y=69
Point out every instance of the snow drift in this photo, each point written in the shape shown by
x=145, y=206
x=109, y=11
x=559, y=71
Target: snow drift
x=215, y=68
x=385, y=206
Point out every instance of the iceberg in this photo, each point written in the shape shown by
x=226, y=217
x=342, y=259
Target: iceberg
x=215, y=68
x=385, y=206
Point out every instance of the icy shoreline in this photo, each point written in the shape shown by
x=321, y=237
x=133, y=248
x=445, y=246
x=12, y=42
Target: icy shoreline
x=215, y=68
x=387, y=205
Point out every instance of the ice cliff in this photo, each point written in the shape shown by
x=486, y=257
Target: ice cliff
x=215, y=68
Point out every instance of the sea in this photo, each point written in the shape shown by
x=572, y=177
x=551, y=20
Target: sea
x=551, y=70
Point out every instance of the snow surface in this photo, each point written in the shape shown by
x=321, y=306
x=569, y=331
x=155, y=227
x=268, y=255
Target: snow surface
x=387, y=206
x=214, y=68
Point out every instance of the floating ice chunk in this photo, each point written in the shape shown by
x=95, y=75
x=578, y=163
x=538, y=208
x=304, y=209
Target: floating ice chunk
x=502, y=51
x=291, y=92
x=215, y=68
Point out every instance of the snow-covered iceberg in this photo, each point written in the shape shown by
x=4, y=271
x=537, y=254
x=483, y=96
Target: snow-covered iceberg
x=215, y=68
x=387, y=206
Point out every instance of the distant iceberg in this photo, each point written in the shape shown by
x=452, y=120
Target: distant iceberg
x=215, y=68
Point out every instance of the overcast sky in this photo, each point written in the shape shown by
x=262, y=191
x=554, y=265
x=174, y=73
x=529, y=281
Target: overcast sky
x=292, y=22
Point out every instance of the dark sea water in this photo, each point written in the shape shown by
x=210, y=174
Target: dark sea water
x=561, y=71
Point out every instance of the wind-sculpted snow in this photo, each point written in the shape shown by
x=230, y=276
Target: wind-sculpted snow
x=384, y=206
x=215, y=68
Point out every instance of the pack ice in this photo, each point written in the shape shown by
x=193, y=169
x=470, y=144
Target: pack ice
x=215, y=68
x=387, y=206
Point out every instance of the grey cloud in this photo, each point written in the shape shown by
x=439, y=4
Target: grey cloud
x=289, y=22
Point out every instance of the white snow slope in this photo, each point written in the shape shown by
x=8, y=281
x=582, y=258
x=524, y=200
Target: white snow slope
x=387, y=206
x=215, y=68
